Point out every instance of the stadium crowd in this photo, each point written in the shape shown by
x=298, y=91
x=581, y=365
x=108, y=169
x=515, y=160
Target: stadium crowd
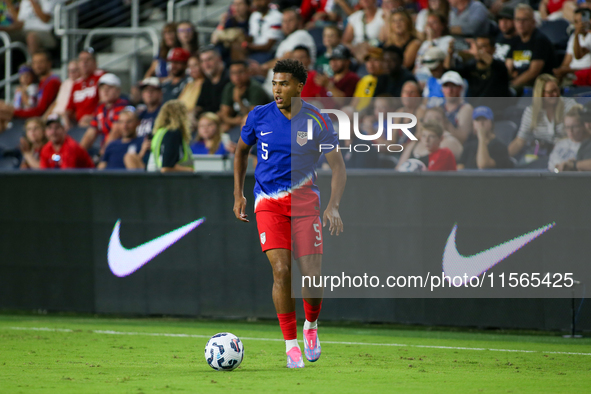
x=462, y=67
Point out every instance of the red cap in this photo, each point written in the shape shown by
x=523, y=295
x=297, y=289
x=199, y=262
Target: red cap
x=178, y=55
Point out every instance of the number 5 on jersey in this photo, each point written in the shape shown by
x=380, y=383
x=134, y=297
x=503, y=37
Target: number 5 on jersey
x=265, y=154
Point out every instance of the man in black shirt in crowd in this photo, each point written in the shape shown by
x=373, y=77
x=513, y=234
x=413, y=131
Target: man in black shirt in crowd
x=391, y=83
x=507, y=35
x=486, y=76
x=213, y=67
x=484, y=152
x=532, y=54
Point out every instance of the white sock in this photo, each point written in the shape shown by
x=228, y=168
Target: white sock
x=291, y=343
x=311, y=325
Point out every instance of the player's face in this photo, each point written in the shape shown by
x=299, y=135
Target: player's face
x=285, y=86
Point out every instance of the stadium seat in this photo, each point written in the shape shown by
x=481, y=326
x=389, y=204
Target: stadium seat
x=505, y=131
x=77, y=133
x=316, y=34
x=556, y=32
x=8, y=163
x=10, y=139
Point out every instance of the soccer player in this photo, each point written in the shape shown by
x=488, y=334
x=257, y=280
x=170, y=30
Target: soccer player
x=286, y=199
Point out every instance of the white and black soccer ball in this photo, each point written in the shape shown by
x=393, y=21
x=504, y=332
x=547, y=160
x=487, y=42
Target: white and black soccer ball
x=412, y=165
x=224, y=352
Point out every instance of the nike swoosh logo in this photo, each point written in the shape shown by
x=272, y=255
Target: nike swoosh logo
x=268, y=132
x=454, y=264
x=123, y=261
x=315, y=244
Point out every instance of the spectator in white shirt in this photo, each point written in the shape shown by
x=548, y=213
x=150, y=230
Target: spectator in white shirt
x=295, y=35
x=33, y=25
x=264, y=29
x=363, y=28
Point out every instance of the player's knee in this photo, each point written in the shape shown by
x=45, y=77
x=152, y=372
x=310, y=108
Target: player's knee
x=281, y=273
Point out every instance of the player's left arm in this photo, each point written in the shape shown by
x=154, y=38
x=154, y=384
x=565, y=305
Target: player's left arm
x=339, y=179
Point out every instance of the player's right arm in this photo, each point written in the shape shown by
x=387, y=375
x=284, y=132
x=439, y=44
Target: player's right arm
x=247, y=139
x=240, y=164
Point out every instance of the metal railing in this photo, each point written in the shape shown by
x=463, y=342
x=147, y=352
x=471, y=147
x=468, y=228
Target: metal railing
x=66, y=26
x=173, y=7
x=151, y=32
x=8, y=77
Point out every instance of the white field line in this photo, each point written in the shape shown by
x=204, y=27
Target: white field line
x=163, y=334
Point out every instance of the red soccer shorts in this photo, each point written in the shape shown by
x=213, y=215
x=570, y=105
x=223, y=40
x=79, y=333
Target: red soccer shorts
x=275, y=232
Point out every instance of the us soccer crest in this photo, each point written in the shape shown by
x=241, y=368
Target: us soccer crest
x=302, y=138
x=263, y=238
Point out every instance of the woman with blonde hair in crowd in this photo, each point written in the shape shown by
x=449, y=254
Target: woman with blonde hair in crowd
x=542, y=123
x=192, y=89
x=438, y=6
x=209, y=136
x=168, y=41
x=400, y=32
x=170, y=140
x=32, y=143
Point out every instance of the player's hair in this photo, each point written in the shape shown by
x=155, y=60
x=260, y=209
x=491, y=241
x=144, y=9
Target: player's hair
x=174, y=115
x=434, y=127
x=217, y=138
x=302, y=48
x=293, y=67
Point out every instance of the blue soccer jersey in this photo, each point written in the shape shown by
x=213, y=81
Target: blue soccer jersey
x=287, y=158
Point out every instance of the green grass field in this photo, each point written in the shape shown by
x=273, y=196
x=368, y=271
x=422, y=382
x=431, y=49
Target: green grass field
x=57, y=354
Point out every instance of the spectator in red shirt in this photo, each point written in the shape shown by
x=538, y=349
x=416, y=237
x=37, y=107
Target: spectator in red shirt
x=107, y=113
x=62, y=151
x=49, y=86
x=344, y=82
x=438, y=159
x=311, y=89
x=84, y=97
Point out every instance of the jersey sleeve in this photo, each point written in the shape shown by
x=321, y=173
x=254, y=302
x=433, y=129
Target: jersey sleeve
x=328, y=134
x=248, y=133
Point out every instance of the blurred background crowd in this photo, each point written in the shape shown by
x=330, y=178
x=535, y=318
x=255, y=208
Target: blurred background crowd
x=497, y=84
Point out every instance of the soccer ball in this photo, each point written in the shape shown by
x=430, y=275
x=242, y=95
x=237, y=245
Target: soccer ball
x=412, y=165
x=224, y=352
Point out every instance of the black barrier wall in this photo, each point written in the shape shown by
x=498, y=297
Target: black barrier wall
x=55, y=230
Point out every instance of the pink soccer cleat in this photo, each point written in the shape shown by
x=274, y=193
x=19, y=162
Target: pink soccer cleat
x=294, y=358
x=312, y=347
